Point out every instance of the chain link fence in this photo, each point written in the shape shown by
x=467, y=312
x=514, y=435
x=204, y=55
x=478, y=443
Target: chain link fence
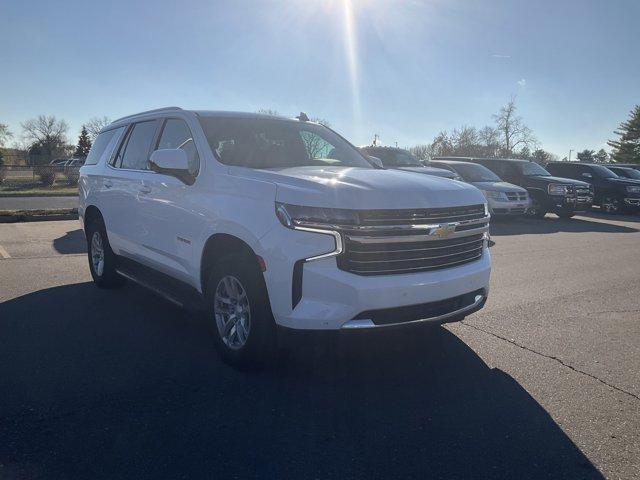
x=22, y=171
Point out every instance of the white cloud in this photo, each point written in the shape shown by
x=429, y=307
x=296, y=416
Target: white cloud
x=522, y=82
x=499, y=55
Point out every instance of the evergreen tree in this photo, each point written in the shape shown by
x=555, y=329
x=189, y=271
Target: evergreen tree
x=627, y=148
x=84, y=144
x=586, y=156
x=602, y=156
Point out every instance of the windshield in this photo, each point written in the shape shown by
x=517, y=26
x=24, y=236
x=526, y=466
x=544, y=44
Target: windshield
x=603, y=172
x=532, y=168
x=626, y=172
x=268, y=143
x=395, y=158
x=475, y=173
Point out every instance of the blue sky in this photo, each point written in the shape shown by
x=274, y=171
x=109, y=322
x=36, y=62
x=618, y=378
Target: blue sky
x=404, y=69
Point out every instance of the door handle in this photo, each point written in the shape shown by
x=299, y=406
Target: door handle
x=145, y=189
x=108, y=183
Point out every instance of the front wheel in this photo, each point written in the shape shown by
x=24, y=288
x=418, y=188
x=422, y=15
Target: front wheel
x=239, y=313
x=610, y=204
x=566, y=214
x=536, y=210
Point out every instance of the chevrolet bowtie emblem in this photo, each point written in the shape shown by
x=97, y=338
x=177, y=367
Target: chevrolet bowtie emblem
x=443, y=230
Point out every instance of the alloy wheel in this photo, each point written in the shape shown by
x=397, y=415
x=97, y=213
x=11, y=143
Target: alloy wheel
x=97, y=253
x=232, y=312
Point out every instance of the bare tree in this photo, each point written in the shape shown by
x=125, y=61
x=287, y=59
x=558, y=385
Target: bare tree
x=465, y=141
x=96, y=124
x=489, y=139
x=269, y=111
x=421, y=152
x=513, y=132
x=5, y=134
x=46, y=136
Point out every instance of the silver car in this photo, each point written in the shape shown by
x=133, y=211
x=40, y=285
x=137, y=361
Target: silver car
x=504, y=199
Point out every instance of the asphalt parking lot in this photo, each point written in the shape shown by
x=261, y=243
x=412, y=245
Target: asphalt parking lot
x=542, y=383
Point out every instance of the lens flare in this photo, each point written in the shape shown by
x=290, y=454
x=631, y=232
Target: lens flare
x=352, y=58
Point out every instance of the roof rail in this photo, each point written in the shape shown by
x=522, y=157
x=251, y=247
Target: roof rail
x=156, y=110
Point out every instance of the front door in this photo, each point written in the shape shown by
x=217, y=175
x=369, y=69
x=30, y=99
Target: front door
x=169, y=208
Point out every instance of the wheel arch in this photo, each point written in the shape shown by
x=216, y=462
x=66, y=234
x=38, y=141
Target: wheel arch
x=91, y=213
x=219, y=245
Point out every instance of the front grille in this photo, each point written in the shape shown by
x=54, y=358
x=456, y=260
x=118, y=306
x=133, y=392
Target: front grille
x=406, y=241
x=410, y=217
x=516, y=196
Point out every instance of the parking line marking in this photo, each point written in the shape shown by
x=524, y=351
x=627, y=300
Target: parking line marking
x=4, y=253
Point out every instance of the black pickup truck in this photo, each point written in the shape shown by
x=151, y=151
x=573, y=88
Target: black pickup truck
x=614, y=194
x=562, y=196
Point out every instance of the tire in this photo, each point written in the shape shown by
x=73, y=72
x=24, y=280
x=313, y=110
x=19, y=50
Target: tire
x=102, y=264
x=565, y=214
x=535, y=210
x=236, y=293
x=610, y=204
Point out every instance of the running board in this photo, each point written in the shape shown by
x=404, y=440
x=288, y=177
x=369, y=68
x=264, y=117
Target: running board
x=175, y=291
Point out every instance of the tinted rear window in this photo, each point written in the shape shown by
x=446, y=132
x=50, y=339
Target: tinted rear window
x=100, y=145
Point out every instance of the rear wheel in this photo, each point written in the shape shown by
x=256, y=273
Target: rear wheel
x=102, y=260
x=610, y=204
x=239, y=313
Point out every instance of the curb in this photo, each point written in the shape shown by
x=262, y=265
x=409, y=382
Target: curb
x=20, y=194
x=14, y=216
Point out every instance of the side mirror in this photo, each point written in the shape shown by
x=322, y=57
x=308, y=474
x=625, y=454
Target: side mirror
x=375, y=161
x=171, y=161
x=587, y=175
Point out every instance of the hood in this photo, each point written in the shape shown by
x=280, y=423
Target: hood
x=624, y=181
x=363, y=188
x=552, y=179
x=498, y=187
x=438, y=172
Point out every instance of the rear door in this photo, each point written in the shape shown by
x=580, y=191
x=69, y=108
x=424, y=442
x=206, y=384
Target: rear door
x=122, y=186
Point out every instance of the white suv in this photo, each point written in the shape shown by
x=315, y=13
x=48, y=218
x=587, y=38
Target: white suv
x=269, y=222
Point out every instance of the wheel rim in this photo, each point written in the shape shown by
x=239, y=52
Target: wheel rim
x=232, y=312
x=97, y=253
x=610, y=205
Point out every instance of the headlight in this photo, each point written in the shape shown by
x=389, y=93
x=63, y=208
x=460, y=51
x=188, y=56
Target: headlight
x=500, y=196
x=556, y=189
x=292, y=216
x=633, y=189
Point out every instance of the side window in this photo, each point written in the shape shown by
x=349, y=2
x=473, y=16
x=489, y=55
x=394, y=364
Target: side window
x=176, y=134
x=103, y=144
x=316, y=146
x=134, y=151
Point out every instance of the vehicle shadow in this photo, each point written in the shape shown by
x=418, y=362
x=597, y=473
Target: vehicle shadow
x=72, y=242
x=552, y=224
x=115, y=384
x=608, y=216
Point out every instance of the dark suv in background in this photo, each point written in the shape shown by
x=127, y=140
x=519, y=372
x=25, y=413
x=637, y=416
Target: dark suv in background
x=624, y=172
x=562, y=196
x=613, y=193
x=401, y=159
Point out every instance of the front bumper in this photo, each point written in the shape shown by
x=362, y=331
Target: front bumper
x=508, y=208
x=332, y=298
x=570, y=202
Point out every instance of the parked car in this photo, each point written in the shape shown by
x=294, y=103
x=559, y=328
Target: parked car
x=268, y=222
x=562, y=196
x=635, y=166
x=612, y=193
x=624, y=172
x=504, y=199
x=400, y=159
